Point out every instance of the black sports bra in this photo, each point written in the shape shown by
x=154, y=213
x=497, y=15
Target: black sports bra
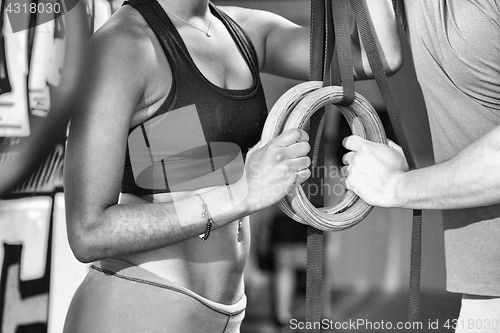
x=200, y=135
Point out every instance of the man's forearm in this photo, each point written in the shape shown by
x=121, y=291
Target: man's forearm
x=470, y=179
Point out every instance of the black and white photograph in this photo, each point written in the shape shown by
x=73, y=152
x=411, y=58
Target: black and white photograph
x=249, y=166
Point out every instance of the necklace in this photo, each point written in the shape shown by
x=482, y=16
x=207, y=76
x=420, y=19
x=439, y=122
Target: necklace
x=207, y=33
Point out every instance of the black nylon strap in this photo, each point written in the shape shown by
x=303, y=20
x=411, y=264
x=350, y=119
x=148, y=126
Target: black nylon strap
x=331, y=70
x=381, y=79
x=331, y=61
x=314, y=277
x=340, y=10
x=317, y=38
x=314, y=270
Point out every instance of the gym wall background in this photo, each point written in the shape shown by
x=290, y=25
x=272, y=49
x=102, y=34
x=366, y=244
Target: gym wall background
x=38, y=67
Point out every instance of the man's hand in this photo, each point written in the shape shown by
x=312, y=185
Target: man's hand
x=374, y=171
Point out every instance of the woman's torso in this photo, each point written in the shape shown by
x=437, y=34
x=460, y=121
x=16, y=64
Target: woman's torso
x=220, y=74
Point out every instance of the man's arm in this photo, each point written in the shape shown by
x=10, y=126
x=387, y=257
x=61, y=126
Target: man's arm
x=283, y=46
x=378, y=174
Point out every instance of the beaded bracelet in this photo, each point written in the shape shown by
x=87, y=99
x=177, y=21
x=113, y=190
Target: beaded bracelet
x=206, y=215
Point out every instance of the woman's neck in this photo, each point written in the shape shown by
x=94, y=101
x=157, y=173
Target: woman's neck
x=187, y=9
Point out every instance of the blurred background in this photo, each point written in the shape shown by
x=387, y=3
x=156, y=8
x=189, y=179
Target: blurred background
x=366, y=269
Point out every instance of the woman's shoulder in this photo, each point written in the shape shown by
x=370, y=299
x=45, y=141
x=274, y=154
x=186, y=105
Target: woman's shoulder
x=126, y=49
x=126, y=31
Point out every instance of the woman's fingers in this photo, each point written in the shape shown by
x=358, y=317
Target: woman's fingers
x=298, y=149
x=301, y=163
x=290, y=137
x=302, y=176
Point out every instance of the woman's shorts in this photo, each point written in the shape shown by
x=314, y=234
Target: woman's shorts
x=119, y=297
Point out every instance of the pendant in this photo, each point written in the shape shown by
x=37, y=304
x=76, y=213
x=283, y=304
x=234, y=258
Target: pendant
x=208, y=35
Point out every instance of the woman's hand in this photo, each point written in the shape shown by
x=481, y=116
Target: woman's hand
x=275, y=169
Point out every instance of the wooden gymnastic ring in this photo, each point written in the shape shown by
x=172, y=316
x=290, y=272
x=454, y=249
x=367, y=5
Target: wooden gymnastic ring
x=292, y=110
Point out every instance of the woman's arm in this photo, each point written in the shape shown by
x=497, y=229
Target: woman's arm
x=283, y=46
x=119, y=68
